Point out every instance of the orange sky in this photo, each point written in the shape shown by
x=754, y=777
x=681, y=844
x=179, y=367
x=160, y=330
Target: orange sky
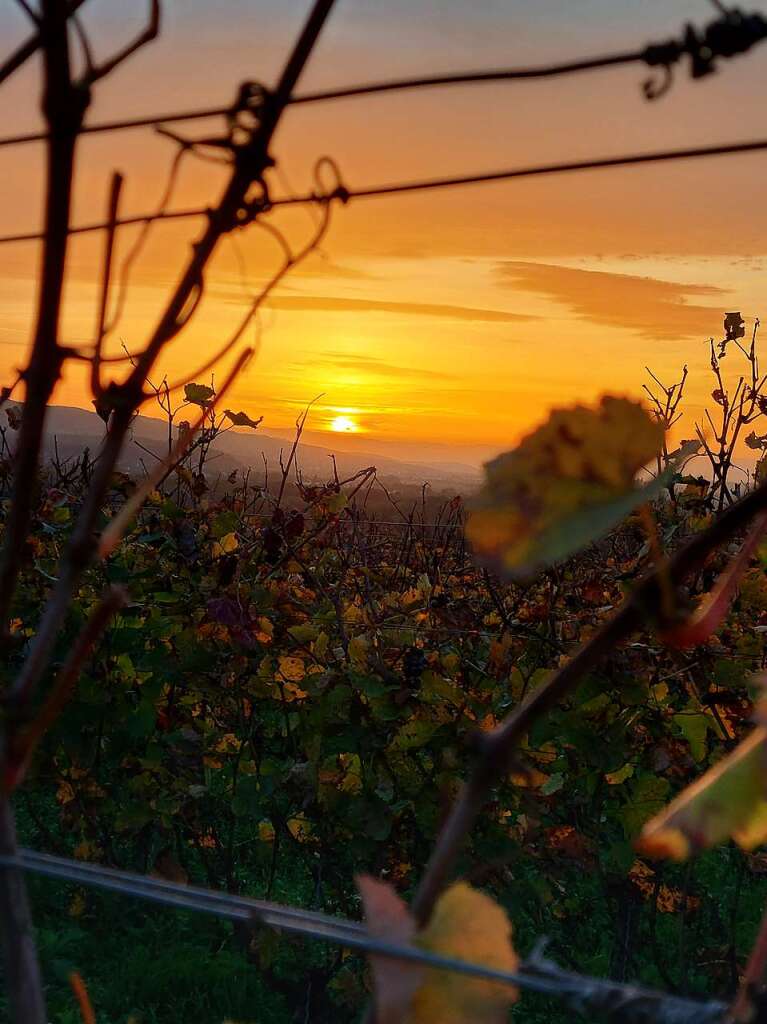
x=455, y=318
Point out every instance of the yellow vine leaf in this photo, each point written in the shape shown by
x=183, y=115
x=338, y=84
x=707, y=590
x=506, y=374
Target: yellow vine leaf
x=290, y=668
x=564, y=485
x=729, y=801
x=467, y=925
x=226, y=545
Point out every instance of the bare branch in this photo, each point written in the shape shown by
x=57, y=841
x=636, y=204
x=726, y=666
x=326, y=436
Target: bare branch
x=106, y=278
x=754, y=977
x=64, y=108
x=30, y=46
x=128, y=396
x=33, y=16
x=149, y=33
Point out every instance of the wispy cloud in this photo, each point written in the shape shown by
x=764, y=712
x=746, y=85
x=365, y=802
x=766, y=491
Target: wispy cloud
x=325, y=267
x=340, y=304
x=656, y=309
x=371, y=366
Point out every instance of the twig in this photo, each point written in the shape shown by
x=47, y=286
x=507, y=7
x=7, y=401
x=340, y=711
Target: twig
x=114, y=531
x=30, y=46
x=106, y=280
x=149, y=33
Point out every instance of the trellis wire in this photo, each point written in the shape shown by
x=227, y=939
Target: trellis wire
x=432, y=184
x=311, y=924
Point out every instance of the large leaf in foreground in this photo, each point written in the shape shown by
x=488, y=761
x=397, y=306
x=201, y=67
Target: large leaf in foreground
x=395, y=981
x=465, y=925
x=729, y=801
x=566, y=483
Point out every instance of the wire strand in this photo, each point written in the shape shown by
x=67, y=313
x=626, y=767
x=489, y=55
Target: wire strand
x=431, y=184
x=352, y=92
x=313, y=924
x=534, y=975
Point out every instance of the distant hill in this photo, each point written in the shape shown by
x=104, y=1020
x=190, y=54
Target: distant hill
x=71, y=429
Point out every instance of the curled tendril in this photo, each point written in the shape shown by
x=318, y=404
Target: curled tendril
x=325, y=191
x=251, y=99
x=659, y=84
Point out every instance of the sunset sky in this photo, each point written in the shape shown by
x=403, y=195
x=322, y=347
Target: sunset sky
x=455, y=318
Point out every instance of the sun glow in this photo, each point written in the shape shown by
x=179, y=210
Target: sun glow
x=344, y=425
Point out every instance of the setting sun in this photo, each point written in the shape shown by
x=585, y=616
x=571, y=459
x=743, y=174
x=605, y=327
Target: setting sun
x=344, y=424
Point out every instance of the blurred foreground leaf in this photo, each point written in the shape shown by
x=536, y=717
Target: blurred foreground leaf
x=466, y=925
x=564, y=485
x=729, y=801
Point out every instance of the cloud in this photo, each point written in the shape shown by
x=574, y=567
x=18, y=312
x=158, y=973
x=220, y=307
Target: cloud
x=655, y=309
x=324, y=267
x=323, y=304
x=371, y=365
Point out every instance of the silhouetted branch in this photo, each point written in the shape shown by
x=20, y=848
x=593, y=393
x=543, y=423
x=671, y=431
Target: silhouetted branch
x=151, y=31
x=291, y=261
x=33, y=16
x=135, y=249
x=753, y=978
x=29, y=47
x=64, y=107
x=106, y=280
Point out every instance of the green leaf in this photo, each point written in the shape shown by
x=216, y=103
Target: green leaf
x=141, y=723
x=241, y=419
x=224, y=523
x=694, y=727
x=618, y=777
x=304, y=633
x=414, y=734
x=730, y=800
x=553, y=784
x=648, y=796
x=198, y=394
x=246, y=802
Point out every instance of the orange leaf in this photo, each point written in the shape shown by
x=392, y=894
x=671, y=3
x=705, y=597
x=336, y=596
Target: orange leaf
x=388, y=918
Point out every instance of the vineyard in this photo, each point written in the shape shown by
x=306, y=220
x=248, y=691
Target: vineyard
x=283, y=748
x=290, y=696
